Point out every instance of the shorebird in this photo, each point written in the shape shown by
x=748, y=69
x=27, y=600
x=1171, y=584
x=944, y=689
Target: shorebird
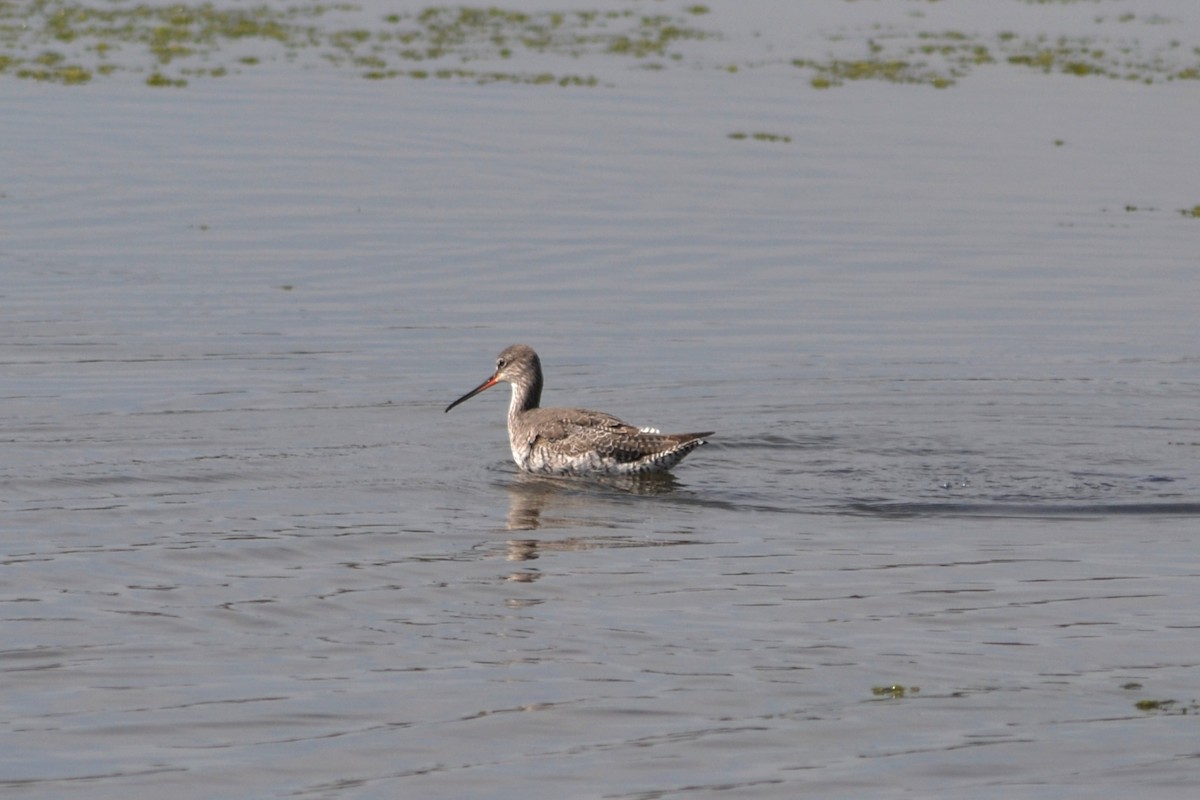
x=575, y=441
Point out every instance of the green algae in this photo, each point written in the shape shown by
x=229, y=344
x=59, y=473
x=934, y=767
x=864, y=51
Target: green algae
x=941, y=58
x=760, y=136
x=145, y=38
x=1153, y=705
x=1162, y=707
x=170, y=44
x=835, y=72
x=166, y=42
x=470, y=35
x=159, y=80
x=1167, y=707
x=895, y=691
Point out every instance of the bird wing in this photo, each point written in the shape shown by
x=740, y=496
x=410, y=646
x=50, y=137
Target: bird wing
x=574, y=432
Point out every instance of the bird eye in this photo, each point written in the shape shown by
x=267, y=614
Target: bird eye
x=499, y=363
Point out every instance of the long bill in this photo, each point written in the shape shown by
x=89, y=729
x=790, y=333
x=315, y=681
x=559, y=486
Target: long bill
x=489, y=383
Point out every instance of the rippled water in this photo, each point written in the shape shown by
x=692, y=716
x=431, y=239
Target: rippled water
x=943, y=543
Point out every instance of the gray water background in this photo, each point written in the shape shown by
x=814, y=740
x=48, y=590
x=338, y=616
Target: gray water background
x=947, y=339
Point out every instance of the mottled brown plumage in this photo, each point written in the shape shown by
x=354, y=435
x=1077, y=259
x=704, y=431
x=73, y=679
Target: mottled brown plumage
x=575, y=441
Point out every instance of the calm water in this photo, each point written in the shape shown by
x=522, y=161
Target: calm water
x=947, y=339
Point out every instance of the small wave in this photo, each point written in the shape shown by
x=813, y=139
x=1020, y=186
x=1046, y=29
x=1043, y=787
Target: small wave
x=771, y=442
x=1054, y=510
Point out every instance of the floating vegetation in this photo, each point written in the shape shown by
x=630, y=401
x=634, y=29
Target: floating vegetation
x=1171, y=707
x=1153, y=705
x=895, y=691
x=1089, y=56
x=158, y=79
x=106, y=38
x=171, y=43
x=836, y=72
x=74, y=42
x=1167, y=707
x=760, y=137
x=941, y=59
x=1132, y=208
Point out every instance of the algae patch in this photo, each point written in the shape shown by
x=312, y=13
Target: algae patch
x=760, y=136
x=104, y=39
x=1167, y=707
x=941, y=58
x=74, y=42
x=70, y=42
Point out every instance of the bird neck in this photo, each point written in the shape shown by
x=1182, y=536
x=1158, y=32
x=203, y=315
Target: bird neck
x=526, y=395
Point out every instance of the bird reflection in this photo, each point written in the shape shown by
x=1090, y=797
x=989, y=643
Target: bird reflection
x=522, y=550
x=530, y=495
x=538, y=501
x=526, y=499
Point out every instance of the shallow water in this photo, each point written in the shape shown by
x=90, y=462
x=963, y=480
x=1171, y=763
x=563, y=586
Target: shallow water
x=942, y=544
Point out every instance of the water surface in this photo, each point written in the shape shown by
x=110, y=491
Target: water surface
x=941, y=545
